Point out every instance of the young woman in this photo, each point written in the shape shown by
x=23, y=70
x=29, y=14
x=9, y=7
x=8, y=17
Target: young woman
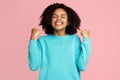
x=60, y=54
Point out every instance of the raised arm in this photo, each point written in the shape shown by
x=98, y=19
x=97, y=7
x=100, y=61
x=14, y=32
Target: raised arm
x=34, y=50
x=83, y=51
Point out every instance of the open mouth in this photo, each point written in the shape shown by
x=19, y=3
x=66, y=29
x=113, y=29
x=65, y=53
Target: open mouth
x=58, y=23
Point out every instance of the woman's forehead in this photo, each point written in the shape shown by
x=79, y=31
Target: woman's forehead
x=60, y=11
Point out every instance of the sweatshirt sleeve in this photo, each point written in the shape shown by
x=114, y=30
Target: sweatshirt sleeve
x=34, y=54
x=83, y=53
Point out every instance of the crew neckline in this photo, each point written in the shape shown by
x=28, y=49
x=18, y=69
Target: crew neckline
x=59, y=35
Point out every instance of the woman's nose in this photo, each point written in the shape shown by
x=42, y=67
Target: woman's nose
x=58, y=18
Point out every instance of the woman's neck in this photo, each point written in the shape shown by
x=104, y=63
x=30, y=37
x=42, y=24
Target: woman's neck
x=60, y=33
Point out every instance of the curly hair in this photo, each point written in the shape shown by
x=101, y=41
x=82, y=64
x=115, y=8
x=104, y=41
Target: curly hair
x=73, y=19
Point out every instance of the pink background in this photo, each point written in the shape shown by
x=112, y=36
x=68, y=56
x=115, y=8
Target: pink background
x=101, y=17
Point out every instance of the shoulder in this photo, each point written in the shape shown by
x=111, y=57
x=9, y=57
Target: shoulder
x=44, y=37
x=49, y=37
x=76, y=37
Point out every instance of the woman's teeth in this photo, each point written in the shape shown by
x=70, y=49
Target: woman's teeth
x=58, y=23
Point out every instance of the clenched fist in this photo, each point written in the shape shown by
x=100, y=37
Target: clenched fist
x=35, y=33
x=85, y=33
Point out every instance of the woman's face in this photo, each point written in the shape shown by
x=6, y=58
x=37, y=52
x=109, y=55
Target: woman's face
x=59, y=19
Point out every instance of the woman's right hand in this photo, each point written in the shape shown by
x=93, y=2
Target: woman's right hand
x=35, y=32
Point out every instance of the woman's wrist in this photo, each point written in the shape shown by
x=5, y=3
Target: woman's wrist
x=33, y=38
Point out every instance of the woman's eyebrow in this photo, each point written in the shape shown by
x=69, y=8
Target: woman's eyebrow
x=64, y=14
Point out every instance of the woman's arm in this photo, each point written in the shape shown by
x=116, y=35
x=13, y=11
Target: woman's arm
x=34, y=54
x=83, y=50
x=84, y=54
x=34, y=50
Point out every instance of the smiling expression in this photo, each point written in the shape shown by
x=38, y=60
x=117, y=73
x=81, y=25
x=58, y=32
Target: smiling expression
x=59, y=19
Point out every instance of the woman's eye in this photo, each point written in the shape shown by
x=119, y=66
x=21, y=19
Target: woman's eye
x=54, y=17
x=63, y=16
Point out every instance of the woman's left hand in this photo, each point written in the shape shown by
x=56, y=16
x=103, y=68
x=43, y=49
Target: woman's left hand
x=85, y=33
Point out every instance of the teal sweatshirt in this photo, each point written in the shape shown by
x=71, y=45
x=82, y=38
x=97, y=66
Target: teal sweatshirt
x=59, y=57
